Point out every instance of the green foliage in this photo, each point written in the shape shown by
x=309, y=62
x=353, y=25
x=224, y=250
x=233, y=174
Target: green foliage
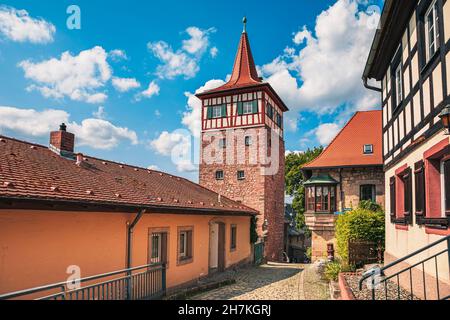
x=295, y=179
x=358, y=224
x=253, y=232
x=370, y=205
x=332, y=270
x=309, y=253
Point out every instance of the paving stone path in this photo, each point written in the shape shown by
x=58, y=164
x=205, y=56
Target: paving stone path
x=267, y=282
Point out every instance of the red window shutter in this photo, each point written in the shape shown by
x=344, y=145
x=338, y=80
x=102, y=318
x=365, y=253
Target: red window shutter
x=392, y=196
x=419, y=177
x=447, y=186
x=407, y=180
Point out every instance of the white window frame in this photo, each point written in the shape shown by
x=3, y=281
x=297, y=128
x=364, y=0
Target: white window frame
x=247, y=107
x=221, y=173
x=432, y=47
x=443, y=215
x=217, y=112
x=248, y=141
x=222, y=143
x=399, y=84
x=243, y=176
x=183, y=248
x=156, y=259
x=365, y=151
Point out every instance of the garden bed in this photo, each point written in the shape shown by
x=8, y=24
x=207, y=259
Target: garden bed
x=387, y=291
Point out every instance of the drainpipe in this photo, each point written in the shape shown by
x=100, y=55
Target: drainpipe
x=130, y=229
x=341, y=191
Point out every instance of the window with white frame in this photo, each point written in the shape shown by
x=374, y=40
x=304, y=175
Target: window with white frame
x=217, y=112
x=183, y=244
x=398, y=84
x=368, y=149
x=432, y=30
x=247, y=107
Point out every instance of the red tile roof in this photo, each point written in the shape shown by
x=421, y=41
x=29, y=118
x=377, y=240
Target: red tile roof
x=31, y=171
x=244, y=70
x=346, y=150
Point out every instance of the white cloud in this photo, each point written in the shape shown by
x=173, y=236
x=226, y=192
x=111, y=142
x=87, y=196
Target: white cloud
x=31, y=122
x=125, y=84
x=153, y=167
x=17, y=25
x=177, y=144
x=166, y=142
x=213, y=52
x=184, y=61
x=95, y=133
x=198, y=42
x=192, y=117
x=152, y=90
x=326, y=73
x=101, y=134
x=100, y=113
x=77, y=77
x=325, y=133
x=117, y=55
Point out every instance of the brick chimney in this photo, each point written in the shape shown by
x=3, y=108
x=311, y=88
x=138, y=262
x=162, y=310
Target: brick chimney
x=61, y=141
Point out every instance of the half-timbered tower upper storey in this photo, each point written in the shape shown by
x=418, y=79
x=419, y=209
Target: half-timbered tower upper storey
x=245, y=100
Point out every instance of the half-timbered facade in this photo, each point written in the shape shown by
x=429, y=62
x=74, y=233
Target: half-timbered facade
x=410, y=57
x=242, y=154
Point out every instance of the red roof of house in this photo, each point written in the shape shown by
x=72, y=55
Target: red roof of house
x=346, y=150
x=31, y=171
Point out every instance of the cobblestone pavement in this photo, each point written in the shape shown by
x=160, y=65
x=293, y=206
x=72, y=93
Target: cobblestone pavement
x=267, y=282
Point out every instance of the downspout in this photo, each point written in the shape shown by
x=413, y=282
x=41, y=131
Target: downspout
x=341, y=191
x=130, y=229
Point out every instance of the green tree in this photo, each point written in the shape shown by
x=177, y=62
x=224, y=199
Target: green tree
x=295, y=180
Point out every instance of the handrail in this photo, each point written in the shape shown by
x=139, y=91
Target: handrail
x=62, y=285
x=367, y=276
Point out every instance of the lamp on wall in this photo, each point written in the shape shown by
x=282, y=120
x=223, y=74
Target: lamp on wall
x=445, y=118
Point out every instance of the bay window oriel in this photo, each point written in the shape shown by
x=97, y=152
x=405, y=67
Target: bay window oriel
x=321, y=198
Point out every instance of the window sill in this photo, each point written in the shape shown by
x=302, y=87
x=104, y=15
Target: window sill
x=403, y=221
x=184, y=261
x=233, y=250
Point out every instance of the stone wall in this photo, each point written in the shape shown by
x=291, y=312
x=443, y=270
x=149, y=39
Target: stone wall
x=262, y=192
x=322, y=225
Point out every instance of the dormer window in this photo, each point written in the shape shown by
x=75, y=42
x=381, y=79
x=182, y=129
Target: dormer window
x=368, y=149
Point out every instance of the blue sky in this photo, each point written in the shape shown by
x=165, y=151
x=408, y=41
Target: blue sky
x=312, y=52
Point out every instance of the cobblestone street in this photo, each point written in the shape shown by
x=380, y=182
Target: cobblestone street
x=269, y=282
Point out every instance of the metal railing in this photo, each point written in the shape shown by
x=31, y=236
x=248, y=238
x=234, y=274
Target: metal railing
x=140, y=283
x=381, y=282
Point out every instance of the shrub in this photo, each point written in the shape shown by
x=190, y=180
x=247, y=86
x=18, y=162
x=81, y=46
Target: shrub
x=370, y=205
x=309, y=253
x=332, y=270
x=360, y=224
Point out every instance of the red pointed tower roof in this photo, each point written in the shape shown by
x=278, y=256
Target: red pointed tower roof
x=244, y=73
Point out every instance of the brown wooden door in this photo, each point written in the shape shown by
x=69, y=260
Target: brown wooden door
x=221, y=248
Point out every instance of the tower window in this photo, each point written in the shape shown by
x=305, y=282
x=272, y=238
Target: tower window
x=368, y=149
x=223, y=143
x=215, y=112
x=247, y=107
x=248, y=141
x=278, y=119
x=241, y=175
x=219, y=175
x=269, y=110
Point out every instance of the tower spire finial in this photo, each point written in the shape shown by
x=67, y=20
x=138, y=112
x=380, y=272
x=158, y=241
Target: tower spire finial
x=244, y=21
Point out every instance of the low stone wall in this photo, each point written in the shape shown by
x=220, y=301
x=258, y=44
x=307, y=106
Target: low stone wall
x=346, y=292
